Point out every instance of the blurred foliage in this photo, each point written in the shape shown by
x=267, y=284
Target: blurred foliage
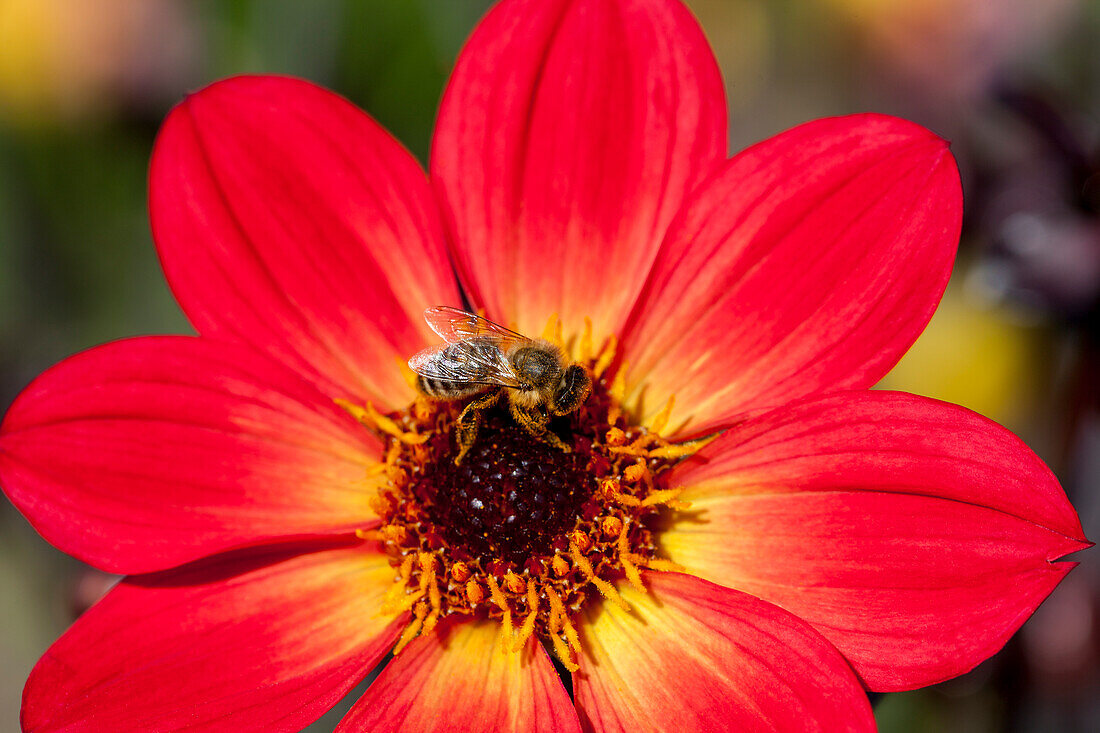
x=1015, y=84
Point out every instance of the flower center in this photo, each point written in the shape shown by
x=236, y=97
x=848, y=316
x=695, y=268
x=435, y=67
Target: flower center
x=520, y=530
x=508, y=501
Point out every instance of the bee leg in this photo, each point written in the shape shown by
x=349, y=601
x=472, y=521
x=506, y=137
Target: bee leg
x=536, y=423
x=469, y=423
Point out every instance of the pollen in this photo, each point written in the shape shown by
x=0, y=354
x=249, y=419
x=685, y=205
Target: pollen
x=521, y=531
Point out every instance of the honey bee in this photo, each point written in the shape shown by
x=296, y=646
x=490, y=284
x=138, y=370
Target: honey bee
x=484, y=358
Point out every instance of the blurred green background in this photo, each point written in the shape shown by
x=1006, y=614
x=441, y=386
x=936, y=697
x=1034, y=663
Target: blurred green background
x=1015, y=84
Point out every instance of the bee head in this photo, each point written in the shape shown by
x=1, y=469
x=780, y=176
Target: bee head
x=572, y=390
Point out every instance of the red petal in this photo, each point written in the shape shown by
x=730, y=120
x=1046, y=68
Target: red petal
x=287, y=218
x=456, y=678
x=567, y=139
x=915, y=535
x=144, y=454
x=692, y=656
x=238, y=645
x=810, y=263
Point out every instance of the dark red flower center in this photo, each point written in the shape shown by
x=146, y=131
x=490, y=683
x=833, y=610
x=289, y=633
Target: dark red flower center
x=519, y=530
x=511, y=499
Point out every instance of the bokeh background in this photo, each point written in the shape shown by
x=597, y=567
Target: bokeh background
x=1015, y=84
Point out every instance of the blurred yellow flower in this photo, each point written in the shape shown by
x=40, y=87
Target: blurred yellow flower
x=66, y=59
x=976, y=355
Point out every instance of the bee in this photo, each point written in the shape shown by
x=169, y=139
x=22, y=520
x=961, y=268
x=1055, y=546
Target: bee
x=486, y=359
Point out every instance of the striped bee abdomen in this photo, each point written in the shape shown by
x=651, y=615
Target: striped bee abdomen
x=441, y=389
x=460, y=370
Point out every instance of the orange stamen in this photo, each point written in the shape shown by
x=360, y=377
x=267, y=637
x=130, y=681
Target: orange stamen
x=585, y=352
x=557, y=617
x=412, y=629
x=611, y=527
x=607, y=355
x=606, y=589
x=625, y=559
x=528, y=627
x=506, y=620
x=514, y=583
x=460, y=572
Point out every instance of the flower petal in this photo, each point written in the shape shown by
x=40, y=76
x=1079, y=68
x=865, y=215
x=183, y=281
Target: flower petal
x=915, y=535
x=457, y=678
x=567, y=138
x=258, y=643
x=143, y=454
x=289, y=219
x=811, y=262
x=692, y=656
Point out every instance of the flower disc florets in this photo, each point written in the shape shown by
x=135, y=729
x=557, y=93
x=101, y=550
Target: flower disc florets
x=518, y=530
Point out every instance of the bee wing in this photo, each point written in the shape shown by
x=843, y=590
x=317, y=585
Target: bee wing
x=454, y=325
x=473, y=361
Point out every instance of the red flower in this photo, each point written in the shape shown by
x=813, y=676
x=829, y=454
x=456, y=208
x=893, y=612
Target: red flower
x=837, y=538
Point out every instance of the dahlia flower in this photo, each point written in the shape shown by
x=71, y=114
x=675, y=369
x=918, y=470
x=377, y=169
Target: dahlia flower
x=740, y=536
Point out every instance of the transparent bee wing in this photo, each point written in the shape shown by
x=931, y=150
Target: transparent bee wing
x=473, y=361
x=454, y=325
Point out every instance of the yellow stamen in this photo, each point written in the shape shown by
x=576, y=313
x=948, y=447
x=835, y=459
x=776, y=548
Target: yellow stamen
x=403, y=575
x=422, y=408
x=394, y=533
x=660, y=420
x=571, y=635
x=408, y=374
x=606, y=589
x=430, y=584
x=682, y=449
x=611, y=489
x=662, y=496
x=552, y=332
x=611, y=527
x=460, y=571
x=585, y=352
x=617, y=392
x=631, y=570
x=427, y=568
x=514, y=583
x=607, y=355
x=557, y=618
x=561, y=651
x=412, y=629
x=635, y=472
x=506, y=620
x=557, y=610
x=618, y=386
x=402, y=603
x=370, y=417
x=657, y=563
x=528, y=627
